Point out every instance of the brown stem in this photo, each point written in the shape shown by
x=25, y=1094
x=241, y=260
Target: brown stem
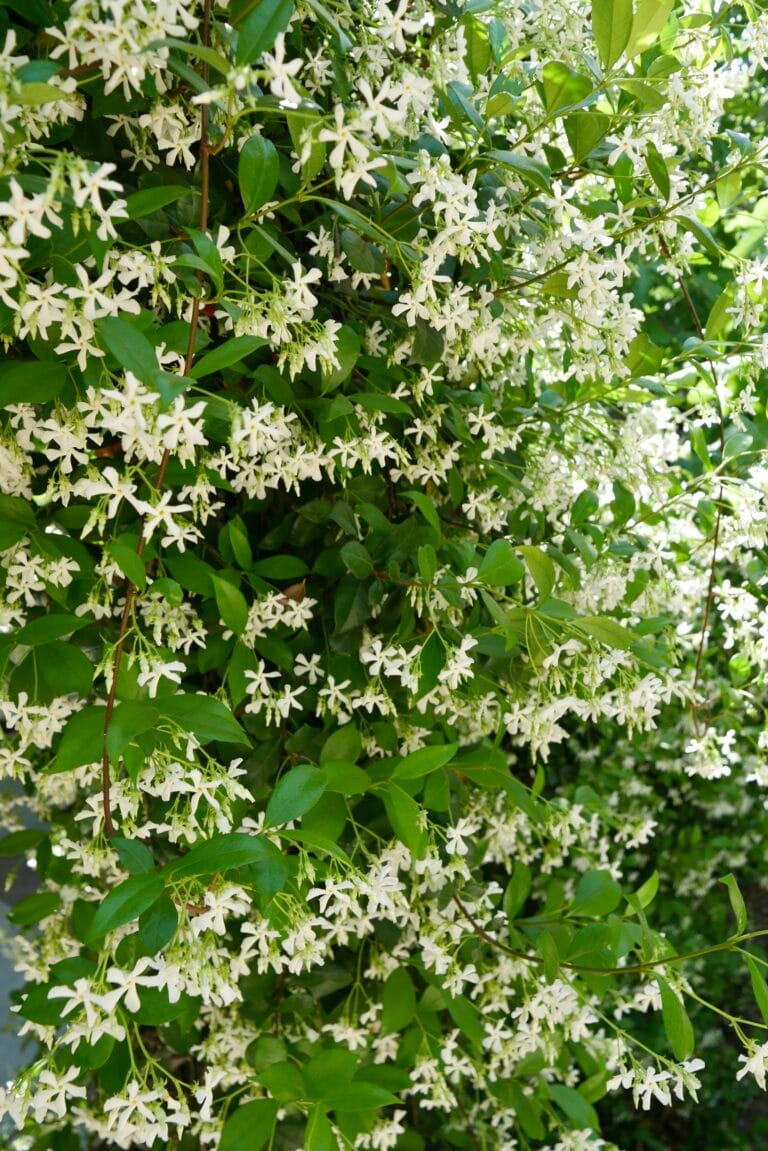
x=130, y=588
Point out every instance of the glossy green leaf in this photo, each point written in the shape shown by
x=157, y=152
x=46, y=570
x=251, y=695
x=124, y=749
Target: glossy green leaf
x=232, y=604
x=227, y=852
x=205, y=717
x=295, y=794
x=31, y=381
x=234, y=351
x=500, y=566
x=677, y=1025
x=611, y=27
x=425, y=760
x=251, y=1126
x=134, y=855
x=259, y=23
x=125, y=903
x=597, y=893
x=258, y=171
x=738, y=905
x=541, y=568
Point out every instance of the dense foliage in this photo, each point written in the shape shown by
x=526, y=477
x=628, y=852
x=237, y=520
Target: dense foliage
x=383, y=540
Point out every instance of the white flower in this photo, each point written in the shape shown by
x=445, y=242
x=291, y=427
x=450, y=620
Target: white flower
x=755, y=1063
x=153, y=671
x=128, y=982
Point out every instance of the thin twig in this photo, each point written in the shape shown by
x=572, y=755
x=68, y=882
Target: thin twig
x=632, y=969
x=130, y=589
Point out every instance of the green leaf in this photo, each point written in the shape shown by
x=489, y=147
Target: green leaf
x=597, y=893
x=405, y=816
x=130, y=347
x=702, y=234
x=344, y=744
x=258, y=171
x=585, y=130
x=357, y=559
x=541, y=568
x=427, y=509
x=345, y=778
x=124, y=903
x=284, y=1081
x=62, y=669
x=259, y=29
x=379, y=402
x=304, y=128
x=134, y=855
x=232, y=604
x=129, y=719
x=315, y=841
x=500, y=566
x=720, y=318
x=563, y=88
x=238, y=539
x=534, y=172
x=81, y=740
x=130, y=564
x=251, y=1126
x=20, y=841
x=574, y=1106
x=398, y=1001
x=359, y=222
x=737, y=903
x=550, y=955
x=32, y=95
x=759, y=987
x=605, y=630
x=347, y=348
x=157, y=925
x=677, y=1025
x=343, y=42
x=150, y=200
x=648, y=21
x=518, y=889
x=230, y=851
x=280, y=567
x=31, y=381
x=295, y=794
x=205, y=717
x=611, y=27
x=647, y=891
x=46, y=628
x=34, y=908
x=658, y=169
x=318, y=1134
x=234, y=351
x=199, y=51
x=359, y=1096
x=425, y=760
x=14, y=509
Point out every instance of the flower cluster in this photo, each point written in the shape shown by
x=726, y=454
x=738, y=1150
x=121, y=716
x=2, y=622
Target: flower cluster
x=383, y=555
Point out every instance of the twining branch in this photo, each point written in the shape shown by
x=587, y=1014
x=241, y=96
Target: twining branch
x=732, y=944
x=130, y=590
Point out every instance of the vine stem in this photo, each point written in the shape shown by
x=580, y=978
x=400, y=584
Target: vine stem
x=632, y=969
x=194, y=319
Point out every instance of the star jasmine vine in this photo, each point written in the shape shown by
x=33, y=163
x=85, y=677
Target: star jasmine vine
x=383, y=555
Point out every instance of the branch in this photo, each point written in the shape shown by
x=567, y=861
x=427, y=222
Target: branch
x=633, y=969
